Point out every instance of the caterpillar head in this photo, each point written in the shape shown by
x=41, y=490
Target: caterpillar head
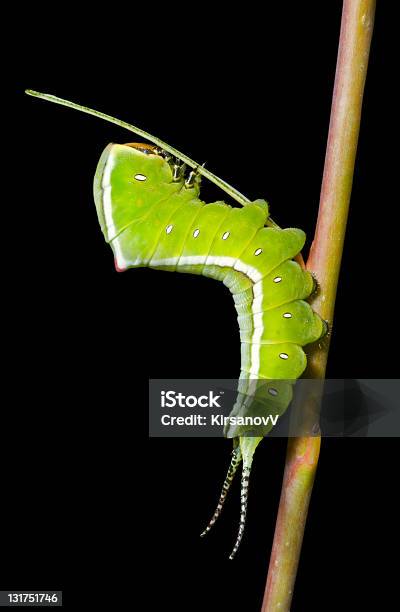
x=130, y=179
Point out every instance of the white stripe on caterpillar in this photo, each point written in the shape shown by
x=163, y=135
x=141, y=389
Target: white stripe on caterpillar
x=107, y=210
x=240, y=266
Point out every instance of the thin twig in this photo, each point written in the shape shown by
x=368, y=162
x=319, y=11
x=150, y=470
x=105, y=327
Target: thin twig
x=324, y=261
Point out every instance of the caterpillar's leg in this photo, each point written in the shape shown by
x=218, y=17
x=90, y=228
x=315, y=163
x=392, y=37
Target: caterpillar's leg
x=194, y=177
x=248, y=445
x=235, y=461
x=178, y=171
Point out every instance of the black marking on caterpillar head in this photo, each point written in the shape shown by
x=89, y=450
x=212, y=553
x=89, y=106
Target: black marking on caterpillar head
x=165, y=155
x=159, y=151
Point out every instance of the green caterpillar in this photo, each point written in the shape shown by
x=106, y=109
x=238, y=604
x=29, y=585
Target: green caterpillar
x=151, y=215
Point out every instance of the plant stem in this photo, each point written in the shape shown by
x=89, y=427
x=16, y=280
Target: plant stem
x=324, y=261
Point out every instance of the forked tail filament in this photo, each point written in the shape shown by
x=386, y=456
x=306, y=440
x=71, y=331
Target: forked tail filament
x=243, y=508
x=235, y=461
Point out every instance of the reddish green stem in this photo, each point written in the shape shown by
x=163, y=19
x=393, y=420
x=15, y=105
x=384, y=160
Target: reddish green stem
x=324, y=261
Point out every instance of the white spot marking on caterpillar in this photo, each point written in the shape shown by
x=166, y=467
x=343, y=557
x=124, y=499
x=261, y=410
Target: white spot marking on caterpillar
x=283, y=355
x=258, y=252
x=225, y=236
x=168, y=229
x=287, y=315
x=272, y=391
x=140, y=177
x=196, y=233
x=277, y=279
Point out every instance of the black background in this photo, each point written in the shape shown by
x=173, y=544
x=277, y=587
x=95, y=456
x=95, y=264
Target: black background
x=90, y=505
